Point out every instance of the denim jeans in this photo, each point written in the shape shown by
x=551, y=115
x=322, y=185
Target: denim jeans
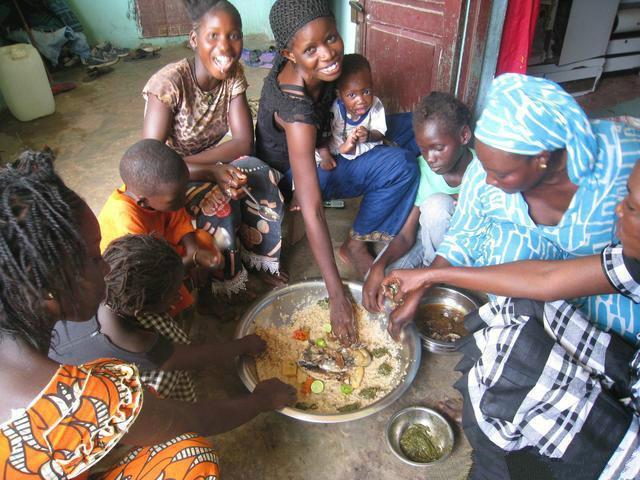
x=50, y=44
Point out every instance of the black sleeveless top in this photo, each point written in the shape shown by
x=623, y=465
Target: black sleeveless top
x=271, y=141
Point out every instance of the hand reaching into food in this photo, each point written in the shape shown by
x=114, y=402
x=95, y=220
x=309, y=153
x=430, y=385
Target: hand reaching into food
x=399, y=283
x=342, y=321
x=404, y=314
x=275, y=394
x=253, y=344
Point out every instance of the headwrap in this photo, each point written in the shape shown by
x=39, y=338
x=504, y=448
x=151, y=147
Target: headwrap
x=526, y=115
x=289, y=16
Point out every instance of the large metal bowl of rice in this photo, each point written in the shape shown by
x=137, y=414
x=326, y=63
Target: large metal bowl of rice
x=275, y=311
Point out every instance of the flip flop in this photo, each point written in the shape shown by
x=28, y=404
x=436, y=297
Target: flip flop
x=63, y=87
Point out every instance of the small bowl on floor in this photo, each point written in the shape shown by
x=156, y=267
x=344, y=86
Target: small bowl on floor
x=439, y=430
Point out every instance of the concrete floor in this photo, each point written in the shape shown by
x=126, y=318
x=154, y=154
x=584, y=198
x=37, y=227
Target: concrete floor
x=92, y=127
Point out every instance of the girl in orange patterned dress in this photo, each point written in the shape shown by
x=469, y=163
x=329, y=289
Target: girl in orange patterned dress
x=58, y=421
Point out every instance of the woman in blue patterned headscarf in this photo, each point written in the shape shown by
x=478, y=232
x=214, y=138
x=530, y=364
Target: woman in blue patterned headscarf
x=545, y=186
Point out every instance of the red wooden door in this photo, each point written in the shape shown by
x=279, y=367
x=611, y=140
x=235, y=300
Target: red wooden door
x=414, y=46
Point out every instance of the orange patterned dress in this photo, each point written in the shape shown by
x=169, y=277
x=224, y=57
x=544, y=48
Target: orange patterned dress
x=79, y=417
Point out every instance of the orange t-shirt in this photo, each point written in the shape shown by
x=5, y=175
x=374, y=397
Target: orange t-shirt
x=121, y=216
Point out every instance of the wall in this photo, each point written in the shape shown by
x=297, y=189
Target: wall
x=115, y=21
x=347, y=30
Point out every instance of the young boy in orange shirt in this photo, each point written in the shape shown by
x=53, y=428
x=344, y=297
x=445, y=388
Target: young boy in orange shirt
x=151, y=201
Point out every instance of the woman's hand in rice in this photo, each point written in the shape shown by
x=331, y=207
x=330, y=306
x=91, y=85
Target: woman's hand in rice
x=253, y=344
x=275, y=394
x=343, y=321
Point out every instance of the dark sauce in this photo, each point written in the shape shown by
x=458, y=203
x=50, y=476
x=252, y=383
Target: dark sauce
x=441, y=322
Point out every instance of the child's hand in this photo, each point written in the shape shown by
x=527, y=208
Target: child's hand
x=328, y=163
x=208, y=259
x=349, y=145
x=362, y=134
x=275, y=394
x=252, y=345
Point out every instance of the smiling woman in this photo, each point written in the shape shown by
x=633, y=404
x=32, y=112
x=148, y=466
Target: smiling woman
x=294, y=120
x=191, y=105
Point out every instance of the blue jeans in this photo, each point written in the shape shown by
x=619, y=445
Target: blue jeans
x=386, y=177
x=50, y=44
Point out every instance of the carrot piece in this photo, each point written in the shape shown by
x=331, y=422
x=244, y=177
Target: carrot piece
x=305, y=389
x=300, y=335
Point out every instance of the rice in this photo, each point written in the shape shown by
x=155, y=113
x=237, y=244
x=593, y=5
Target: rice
x=282, y=347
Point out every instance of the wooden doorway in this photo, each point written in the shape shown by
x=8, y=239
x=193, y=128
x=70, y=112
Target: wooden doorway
x=417, y=46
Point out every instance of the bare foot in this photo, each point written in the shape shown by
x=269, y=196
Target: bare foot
x=279, y=279
x=452, y=408
x=355, y=254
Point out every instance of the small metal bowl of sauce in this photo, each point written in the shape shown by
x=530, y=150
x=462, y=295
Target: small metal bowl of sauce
x=440, y=317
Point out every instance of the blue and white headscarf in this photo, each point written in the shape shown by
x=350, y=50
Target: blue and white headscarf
x=526, y=115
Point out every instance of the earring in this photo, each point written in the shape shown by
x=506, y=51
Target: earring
x=49, y=296
x=543, y=166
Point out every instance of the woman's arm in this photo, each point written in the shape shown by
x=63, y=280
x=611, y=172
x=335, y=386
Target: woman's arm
x=241, y=142
x=536, y=279
x=161, y=420
x=301, y=142
x=400, y=245
x=158, y=120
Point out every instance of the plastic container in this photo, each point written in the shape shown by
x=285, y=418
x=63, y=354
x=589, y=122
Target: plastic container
x=23, y=82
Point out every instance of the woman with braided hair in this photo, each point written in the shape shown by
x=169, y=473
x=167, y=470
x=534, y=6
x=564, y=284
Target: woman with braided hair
x=294, y=121
x=58, y=421
x=192, y=105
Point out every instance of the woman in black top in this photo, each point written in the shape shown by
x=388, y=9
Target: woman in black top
x=293, y=122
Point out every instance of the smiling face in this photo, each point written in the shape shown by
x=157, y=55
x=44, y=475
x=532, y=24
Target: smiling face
x=217, y=42
x=441, y=149
x=317, y=50
x=356, y=92
x=510, y=172
x=628, y=210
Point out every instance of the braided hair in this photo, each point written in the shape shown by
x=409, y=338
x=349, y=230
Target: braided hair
x=143, y=273
x=196, y=9
x=444, y=108
x=41, y=250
